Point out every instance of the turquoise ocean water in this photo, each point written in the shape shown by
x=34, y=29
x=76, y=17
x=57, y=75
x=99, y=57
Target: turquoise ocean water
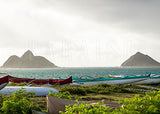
x=76, y=72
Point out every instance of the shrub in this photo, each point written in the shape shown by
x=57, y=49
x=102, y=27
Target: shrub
x=84, y=108
x=149, y=104
x=17, y=84
x=18, y=103
x=75, y=90
x=63, y=95
x=2, y=97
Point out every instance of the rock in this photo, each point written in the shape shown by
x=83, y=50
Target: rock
x=140, y=60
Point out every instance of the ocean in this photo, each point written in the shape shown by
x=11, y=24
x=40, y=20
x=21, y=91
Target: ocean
x=54, y=73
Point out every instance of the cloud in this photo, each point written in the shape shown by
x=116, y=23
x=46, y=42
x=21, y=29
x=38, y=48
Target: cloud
x=137, y=16
x=80, y=32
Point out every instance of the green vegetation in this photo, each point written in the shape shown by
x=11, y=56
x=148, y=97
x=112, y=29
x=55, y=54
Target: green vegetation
x=149, y=104
x=21, y=84
x=23, y=102
x=63, y=95
x=17, y=84
x=99, y=92
x=102, y=89
x=97, y=89
x=17, y=103
x=154, y=85
x=41, y=102
x=84, y=108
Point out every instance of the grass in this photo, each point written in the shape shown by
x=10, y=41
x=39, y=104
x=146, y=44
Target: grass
x=111, y=97
x=103, y=89
x=41, y=101
x=108, y=96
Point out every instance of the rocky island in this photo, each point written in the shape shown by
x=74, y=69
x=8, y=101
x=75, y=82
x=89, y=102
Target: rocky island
x=140, y=60
x=28, y=60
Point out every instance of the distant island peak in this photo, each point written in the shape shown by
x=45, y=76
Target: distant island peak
x=28, y=60
x=140, y=60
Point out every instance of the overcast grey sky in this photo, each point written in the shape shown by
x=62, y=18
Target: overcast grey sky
x=80, y=33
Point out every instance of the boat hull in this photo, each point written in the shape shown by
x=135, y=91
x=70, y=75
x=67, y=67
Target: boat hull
x=4, y=81
x=40, y=81
x=110, y=82
x=149, y=81
x=3, y=85
x=39, y=91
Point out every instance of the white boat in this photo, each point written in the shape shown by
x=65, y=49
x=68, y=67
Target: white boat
x=111, y=81
x=39, y=91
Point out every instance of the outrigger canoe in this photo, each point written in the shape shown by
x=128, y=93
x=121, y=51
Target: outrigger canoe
x=6, y=79
x=40, y=81
x=153, y=79
x=111, y=81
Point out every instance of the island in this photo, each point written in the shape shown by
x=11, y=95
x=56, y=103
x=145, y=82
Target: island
x=28, y=60
x=140, y=60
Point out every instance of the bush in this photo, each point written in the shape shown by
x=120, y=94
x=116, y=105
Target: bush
x=74, y=90
x=84, y=108
x=18, y=103
x=63, y=95
x=149, y=104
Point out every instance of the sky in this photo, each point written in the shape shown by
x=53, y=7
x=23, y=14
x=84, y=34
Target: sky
x=80, y=33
